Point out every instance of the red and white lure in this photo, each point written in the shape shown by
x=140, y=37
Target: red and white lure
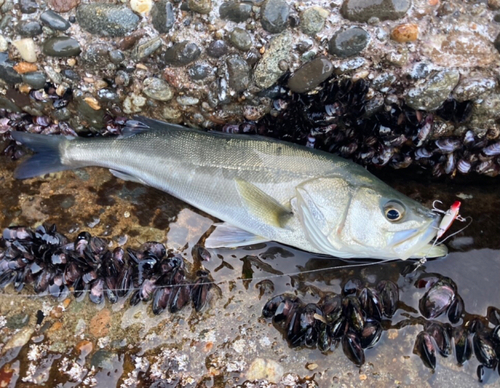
x=449, y=216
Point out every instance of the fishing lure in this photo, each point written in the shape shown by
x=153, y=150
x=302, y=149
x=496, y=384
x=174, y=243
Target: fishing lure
x=449, y=216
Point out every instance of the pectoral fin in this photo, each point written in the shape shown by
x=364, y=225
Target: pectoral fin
x=262, y=205
x=125, y=176
x=228, y=236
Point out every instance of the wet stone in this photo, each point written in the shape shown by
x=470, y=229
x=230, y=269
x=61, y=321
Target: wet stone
x=116, y=56
x=95, y=118
x=61, y=46
x=96, y=54
x=7, y=104
x=144, y=50
x=103, y=359
x=28, y=6
x=241, y=39
x=181, y=54
x=7, y=72
x=200, y=71
x=420, y=70
x=107, y=19
x=274, y=15
x=433, y=92
x=4, y=46
x=268, y=71
x=35, y=79
x=235, y=11
x=157, y=89
x=313, y=20
x=364, y=10
x=62, y=114
x=162, y=16
x=63, y=5
x=217, y=48
x=310, y=75
x=200, y=6
x=108, y=95
x=26, y=48
x=473, y=88
x=54, y=21
x=346, y=43
x=239, y=73
x=29, y=28
x=71, y=74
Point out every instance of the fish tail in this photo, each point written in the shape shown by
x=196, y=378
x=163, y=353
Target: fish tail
x=47, y=158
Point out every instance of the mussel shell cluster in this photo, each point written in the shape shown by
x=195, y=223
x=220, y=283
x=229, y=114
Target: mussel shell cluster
x=476, y=335
x=345, y=117
x=353, y=318
x=52, y=264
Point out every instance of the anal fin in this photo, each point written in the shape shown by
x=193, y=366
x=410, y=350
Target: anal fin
x=228, y=236
x=126, y=177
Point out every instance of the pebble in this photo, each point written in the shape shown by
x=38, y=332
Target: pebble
x=63, y=5
x=107, y=19
x=95, y=119
x=61, y=46
x=108, y=95
x=54, y=21
x=71, y=74
x=122, y=78
x=267, y=70
x=25, y=67
x=397, y=58
x=274, y=15
x=310, y=75
x=116, y=56
x=172, y=114
x=187, y=100
x=26, y=48
x=431, y=94
x=346, y=43
x=182, y=53
x=349, y=65
x=157, y=89
x=239, y=73
x=267, y=369
x=4, y=45
x=29, y=28
x=217, y=48
x=28, y=6
x=162, y=16
x=200, y=6
x=241, y=39
x=200, y=71
x=313, y=20
x=235, y=11
x=364, y=10
x=144, y=50
x=141, y=6
x=35, y=79
x=473, y=88
x=403, y=33
x=133, y=103
x=5, y=103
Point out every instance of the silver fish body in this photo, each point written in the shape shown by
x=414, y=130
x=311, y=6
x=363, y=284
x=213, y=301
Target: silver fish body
x=262, y=189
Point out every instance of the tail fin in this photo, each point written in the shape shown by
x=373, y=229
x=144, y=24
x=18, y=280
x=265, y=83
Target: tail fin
x=47, y=159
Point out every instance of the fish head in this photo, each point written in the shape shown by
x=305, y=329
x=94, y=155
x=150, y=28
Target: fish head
x=366, y=219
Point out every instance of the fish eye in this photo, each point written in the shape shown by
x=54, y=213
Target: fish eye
x=394, y=211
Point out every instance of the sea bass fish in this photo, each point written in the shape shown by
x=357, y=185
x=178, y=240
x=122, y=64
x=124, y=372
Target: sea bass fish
x=262, y=189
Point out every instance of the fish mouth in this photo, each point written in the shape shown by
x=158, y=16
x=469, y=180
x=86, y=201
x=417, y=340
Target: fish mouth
x=415, y=243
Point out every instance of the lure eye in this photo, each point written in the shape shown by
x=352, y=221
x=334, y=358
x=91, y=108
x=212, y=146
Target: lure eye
x=394, y=211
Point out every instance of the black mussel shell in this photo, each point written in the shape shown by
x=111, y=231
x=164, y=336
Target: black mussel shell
x=463, y=345
x=324, y=339
x=425, y=348
x=72, y=272
x=179, y=297
x=280, y=306
x=6, y=278
x=495, y=337
x=110, y=289
x=483, y=373
x=96, y=294
x=484, y=350
x=124, y=281
x=155, y=249
x=352, y=286
x=442, y=337
x=336, y=329
x=353, y=312
x=437, y=299
x=389, y=296
x=43, y=281
x=79, y=287
x=303, y=330
x=331, y=305
x=135, y=298
x=160, y=299
x=493, y=315
x=456, y=309
x=371, y=334
x=200, y=289
x=370, y=303
x=352, y=348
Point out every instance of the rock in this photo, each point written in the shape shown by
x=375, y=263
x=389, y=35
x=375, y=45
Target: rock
x=235, y=11
x=187, y=100
x=162, y=16
x=103, y=359
x=200, y=71
x=268, y=71
x=181, y=54
x=116, y=56
x=399, y=58
x=25, y=67
x=70, y=74
x=4, y=45
x=133, y=103
x=35, y=79
x=364, y=10
x=29, y=28
x=240, y=39
x=313, y=20
x=99, y=324
x=7, y=104
x=496, y=43
x=145, y=49
x=7, y=72
x=108, y=95
x=267, y=369
x=487, y=107
x=27, y=49
x=349, y=65
x=107, y=19
x=239, y=73
x=473, y=88
x=432, y=93
x=310, y=75
x=93, y=117
x=172, y=114
x=61, y=46
x=217, y=48
x=420, y=70
x=141, y=6
x=157, y=89
x=346, y=43
x=28, y=6
x=274, y=15
x=200, y=6
x=96, y=54
x=62, y=5
x=54, y=21
x=403, y=33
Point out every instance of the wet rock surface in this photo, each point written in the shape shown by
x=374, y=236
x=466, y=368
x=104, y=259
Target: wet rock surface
x=346, y=43
x=106, y=19
x=364, y=10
